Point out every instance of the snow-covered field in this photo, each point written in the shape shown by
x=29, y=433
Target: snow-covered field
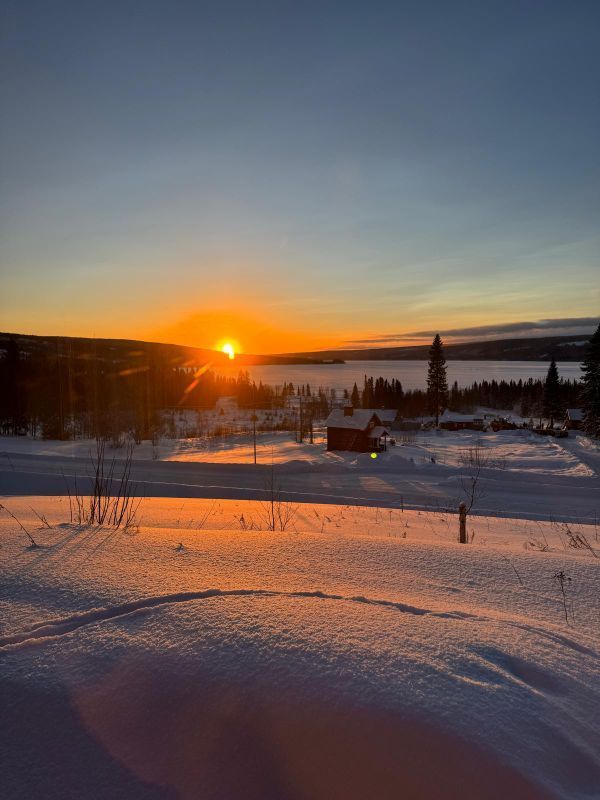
x=519, y=450
x=360, y=653
x=522, y=474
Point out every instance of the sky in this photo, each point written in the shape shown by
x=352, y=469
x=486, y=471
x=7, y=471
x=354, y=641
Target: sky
x=298, y=175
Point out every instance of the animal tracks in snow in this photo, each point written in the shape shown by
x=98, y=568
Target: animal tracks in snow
x=56, y=628
x=60, y=627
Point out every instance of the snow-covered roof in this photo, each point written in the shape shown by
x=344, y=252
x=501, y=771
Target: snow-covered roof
x=386, y=415
x=575, y=414
x=378, y=431
x=455, y=416
x=357, y=421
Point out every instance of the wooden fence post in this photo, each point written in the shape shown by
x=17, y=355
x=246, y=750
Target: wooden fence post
x=462, y=516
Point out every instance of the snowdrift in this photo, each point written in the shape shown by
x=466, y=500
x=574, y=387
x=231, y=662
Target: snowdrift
x=376, y=658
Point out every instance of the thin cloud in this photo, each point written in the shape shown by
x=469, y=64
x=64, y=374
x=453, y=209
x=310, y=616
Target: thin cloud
x=542, y=327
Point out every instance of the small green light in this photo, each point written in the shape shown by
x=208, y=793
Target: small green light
x=373, y=455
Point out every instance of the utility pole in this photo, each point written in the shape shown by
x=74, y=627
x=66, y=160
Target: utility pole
x=254, y=433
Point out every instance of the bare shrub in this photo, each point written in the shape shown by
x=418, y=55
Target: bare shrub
x=204, y=517
x=278, y=513
x=579, y=541
x=471, y=489
x=117, y=440
x=247, y=524
x=114, y=500
x=539, y=543
x=574, y=539
x=478, y=457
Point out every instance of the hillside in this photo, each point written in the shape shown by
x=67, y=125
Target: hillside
x=128, y=350
x=563, y=348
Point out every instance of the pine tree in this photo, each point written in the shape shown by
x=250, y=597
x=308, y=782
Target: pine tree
x=590, y=394
x=355, y=396
x=552, y=399
x=368, y=395
x=437, y=381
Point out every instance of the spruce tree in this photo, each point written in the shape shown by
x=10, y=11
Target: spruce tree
x=368, y=395
x=355, y=396
x=552, y=399
x=437, y=381
x=590, y=393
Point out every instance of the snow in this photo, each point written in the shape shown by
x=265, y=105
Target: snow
x=357, y=419
x=520, y=450
x=455, y=416
x=378, y=431
x=362, y=652
x=522, y=474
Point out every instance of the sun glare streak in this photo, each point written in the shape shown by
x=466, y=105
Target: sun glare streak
x=196, y=380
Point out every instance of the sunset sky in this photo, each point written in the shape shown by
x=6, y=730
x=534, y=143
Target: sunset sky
x=299, y=175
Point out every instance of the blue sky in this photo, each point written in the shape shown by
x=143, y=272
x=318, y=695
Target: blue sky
x=298, y=174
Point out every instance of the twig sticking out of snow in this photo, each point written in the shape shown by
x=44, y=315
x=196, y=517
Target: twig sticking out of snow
x=563, y=581
x=41, y=518
x=23, y=528
x=508, y=561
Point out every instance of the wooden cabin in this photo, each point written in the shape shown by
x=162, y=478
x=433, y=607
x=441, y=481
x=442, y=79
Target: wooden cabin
x=357, y=429
x=453, y=421
x=573, y=419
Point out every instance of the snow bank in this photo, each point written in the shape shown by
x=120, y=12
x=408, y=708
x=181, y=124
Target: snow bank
x=360, y=653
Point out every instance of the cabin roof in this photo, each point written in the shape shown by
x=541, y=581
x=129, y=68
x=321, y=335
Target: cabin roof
x=378, y=431
x=385, y=414
x=358, y=421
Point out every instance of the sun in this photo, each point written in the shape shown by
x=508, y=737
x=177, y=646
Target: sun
x=229, y=349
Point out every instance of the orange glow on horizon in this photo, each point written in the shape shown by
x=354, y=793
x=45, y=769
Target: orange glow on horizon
x=245, y=333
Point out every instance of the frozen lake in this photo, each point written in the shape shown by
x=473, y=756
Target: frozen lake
x=412, y=374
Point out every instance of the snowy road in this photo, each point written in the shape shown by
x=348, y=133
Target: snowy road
x=501, y=492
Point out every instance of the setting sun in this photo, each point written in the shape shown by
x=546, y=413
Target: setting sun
x=229, y=349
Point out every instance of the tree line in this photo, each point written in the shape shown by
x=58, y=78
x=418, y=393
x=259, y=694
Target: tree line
x=533, y=398
x=71, y=392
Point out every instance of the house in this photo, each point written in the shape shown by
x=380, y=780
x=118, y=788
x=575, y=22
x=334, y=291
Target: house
x=453, y=421
x=573, y=419
x=358, y=429
x=387, y=415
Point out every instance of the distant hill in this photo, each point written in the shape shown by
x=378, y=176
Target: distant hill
x=124, y=351
x=563, y=348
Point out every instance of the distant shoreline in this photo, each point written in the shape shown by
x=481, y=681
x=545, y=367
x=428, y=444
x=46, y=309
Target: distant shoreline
x=561, y=348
